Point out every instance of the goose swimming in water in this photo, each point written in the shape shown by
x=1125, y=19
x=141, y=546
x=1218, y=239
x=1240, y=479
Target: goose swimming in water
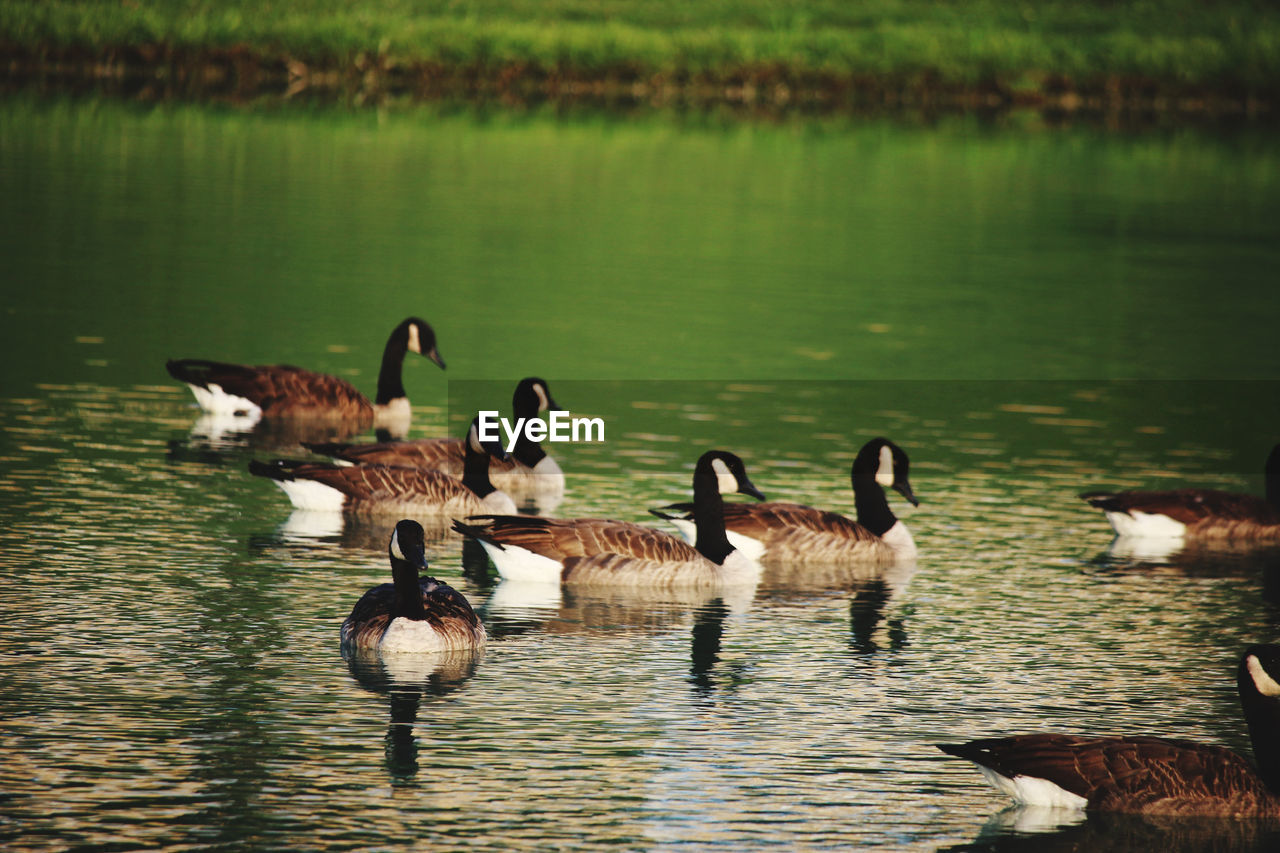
x=1148, y=775
x=617, y=553
x=1196, y=514
x=283, y=391
x=376, y=489
x=412, y=614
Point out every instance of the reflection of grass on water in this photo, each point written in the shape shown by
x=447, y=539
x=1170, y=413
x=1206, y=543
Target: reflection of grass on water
x=1229, y=48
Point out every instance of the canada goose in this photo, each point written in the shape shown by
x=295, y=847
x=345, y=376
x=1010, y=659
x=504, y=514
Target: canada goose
x=797, y=533
x=528, y=464
x=376, y=489
x=1150, y=775
x=411, y=614
x=282, y=391
x=1196, y=513
x=592, y=551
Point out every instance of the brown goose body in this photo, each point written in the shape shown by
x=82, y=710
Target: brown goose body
x=284, y=391
x=794, y=533
x=1145, y=775
x=1197, y=514
x=380, y=489
x=411, y=614
x=1204, y=514
x=1148, y=775
x=589, y=551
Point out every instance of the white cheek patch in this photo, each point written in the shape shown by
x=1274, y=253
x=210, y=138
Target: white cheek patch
x=1266, y=685
x=725, y=480
x=473, y=438
x=395, y=545
x=884, y=474
x=543, y=402
x=415, y=343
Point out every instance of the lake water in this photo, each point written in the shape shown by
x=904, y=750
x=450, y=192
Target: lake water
x=1029, y=311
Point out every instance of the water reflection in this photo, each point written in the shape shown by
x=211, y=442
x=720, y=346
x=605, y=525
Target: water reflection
x=408, y=679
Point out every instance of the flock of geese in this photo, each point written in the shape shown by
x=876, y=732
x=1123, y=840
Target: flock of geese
x=470, y=484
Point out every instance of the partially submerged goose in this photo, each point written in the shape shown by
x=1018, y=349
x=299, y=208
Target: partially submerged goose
x=282, y=391
x=528, y=466
x=411, y=614
x=592, y=551
x=796, y=533
x=1148, y=775
x=1200, y=514
x=374, y=489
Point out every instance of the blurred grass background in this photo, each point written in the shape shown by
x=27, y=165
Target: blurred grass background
x=1176, y=47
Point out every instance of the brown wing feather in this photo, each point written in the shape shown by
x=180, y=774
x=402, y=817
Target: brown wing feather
x=1132, y=774
x=436, y=454
x=387, y=487
x=776, y=519
x=614, y=570
x=586, y=537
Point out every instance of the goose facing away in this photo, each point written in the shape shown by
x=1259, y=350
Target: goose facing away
x=796, y=533
x=529, y=466
x=1148, y=775
x=599, y=552
x=1198, y=514
x=283, y=391
x=412, y=613
x=376, y=489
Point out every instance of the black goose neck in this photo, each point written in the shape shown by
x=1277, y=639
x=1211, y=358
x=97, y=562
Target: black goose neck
x=525, y=406
x=408, y=602
x=708, y=517
x=390, y=376
x=871, y=504
x=475, y=470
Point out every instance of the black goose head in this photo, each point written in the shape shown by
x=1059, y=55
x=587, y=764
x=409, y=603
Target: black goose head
x=886, y=463
x=419, y=337
x=408, y=546
x=1258, y=680
x=531, y=397
x=729, y=473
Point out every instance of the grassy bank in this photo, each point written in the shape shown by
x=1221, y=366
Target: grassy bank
x=1183, y=52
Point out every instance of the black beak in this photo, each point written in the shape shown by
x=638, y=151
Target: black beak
x=434, y=355
x=904, y=488
x=746, y=488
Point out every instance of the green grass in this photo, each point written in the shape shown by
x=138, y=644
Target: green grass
x=1177, y=46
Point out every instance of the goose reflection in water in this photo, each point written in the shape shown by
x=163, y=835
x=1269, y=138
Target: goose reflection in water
x=873, y=592
x=1047, y=830
x=408, y=680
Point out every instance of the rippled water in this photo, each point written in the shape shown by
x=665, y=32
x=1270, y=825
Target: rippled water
x=173, y=679
x=172, y=676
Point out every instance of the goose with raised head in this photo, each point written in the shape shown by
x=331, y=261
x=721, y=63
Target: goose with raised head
x=1148, y=775
x=790, y=532
x=376, y=489
x=283, y=391
x=412, y=614
x=599, y=552
x=1196, y=514
x=528, y=467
